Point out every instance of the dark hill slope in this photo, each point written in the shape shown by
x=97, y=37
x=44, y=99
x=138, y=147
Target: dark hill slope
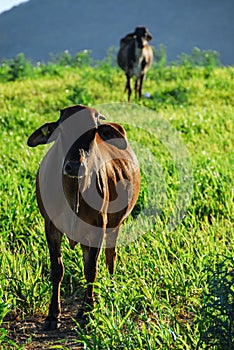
x=40, y=27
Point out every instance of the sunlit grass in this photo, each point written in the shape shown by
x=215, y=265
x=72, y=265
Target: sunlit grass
x=158, y=291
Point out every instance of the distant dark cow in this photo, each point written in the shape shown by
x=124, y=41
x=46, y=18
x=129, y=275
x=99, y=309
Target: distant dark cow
x=99, y=164
x=135, y=57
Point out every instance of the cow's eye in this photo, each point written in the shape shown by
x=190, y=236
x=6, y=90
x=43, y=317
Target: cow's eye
x=50, y=130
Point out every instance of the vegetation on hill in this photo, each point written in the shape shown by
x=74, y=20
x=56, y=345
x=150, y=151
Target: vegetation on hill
x=173, y=288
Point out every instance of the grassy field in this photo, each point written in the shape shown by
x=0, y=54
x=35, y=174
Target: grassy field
x=173, y=285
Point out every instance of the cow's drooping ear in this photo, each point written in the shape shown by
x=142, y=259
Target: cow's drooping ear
x=100, y=116
x=42, y=135
x=149, y=37
x=112, y=135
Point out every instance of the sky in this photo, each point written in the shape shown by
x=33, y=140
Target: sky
x=8, y=4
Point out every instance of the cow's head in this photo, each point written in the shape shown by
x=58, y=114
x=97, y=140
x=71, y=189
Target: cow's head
x=142, y=36
x=90, y=117
x=87, y=124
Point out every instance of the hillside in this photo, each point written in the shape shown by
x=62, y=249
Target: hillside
x=41, y=27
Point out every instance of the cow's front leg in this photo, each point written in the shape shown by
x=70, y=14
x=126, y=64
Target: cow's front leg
x=110, y=251
x=54, y=237
x=90, y=257
x=142, y=77
x=128, y=87
x=137, y=88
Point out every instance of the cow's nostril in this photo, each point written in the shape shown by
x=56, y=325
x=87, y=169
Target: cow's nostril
x=68, y=168
x=71, y=168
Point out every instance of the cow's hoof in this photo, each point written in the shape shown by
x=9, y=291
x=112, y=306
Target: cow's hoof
x=87, y=307
x=80, y=314
x=51, y=323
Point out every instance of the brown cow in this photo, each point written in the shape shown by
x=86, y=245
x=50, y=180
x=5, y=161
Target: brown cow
x=98, y=168
x=135, y=57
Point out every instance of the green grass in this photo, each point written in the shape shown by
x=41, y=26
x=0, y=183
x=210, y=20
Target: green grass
x=183, y=137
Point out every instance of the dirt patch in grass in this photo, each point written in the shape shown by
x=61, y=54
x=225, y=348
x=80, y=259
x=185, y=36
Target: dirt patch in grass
x=30, y=333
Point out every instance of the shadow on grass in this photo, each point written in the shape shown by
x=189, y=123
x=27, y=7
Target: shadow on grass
x=216, y=325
